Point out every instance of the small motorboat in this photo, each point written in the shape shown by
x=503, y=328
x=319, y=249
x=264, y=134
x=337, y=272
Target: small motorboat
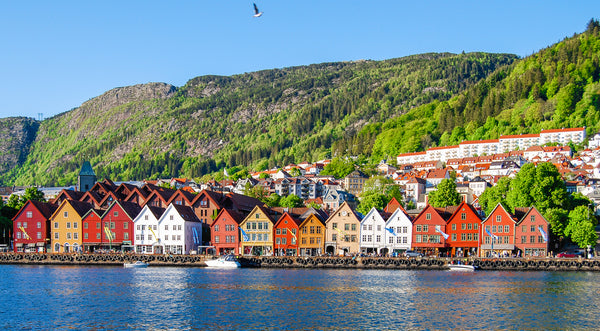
x=462, y=267
x=227, y=261
x=137, y=264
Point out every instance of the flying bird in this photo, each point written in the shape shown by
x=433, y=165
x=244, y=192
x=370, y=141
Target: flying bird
x=257, y=13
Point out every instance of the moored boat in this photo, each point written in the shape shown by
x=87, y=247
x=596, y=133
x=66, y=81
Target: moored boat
x=462, y=267
x=137, y=264
x=227, y=261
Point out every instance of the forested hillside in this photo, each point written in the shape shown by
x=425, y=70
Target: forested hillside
x=259, y=119
x=557, y=87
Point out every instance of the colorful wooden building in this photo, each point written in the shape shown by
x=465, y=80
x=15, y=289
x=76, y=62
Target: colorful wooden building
x=463, y=229
x=31, y=230
x=343, y=231
x=257, y=232
x=430, y=231
x=66, y=234
x=498, y=233
x=118, y=224
x=532, y=233
x=373, y=233
x=225, y=232
x=286, y=235
x=147, y=238
x=399, y=230
x=311, y=235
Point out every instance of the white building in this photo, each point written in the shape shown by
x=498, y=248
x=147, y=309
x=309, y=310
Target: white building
x=180, y=230
x=146, y=231
x=372, y=233
x=399, y=236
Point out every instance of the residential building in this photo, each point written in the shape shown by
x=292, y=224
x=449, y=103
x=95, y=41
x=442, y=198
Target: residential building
x=463, y=230
x=31, y=228
x=532, y=233
x=147, y=239
x=343, y=231
x=498, y=233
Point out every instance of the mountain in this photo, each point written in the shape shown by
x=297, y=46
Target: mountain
x=376, y=109
x=258, y=119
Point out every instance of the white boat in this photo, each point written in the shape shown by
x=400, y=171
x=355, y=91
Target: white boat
x=137, y=264
x=227, y=261
x=461, y=267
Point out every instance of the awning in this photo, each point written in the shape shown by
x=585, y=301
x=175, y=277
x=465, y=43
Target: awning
x=31, y=245
x=40, y=244
x=19, y=245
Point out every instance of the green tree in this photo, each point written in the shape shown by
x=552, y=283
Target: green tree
x=369, y=201
x=291, y=201
x=338, y=167
x=492, y=196
x=445, y=195
x=581, y=227
x=273, y=200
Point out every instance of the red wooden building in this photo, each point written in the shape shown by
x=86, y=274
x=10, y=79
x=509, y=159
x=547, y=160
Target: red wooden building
x=498, y=233
x=31, y=229
x=117, y=226
x=463, y=229
x=429, y=228
x=531, y=233
x=225, y=232
x=285, y=232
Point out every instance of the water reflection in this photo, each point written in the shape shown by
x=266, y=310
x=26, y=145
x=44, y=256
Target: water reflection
x=298, y=299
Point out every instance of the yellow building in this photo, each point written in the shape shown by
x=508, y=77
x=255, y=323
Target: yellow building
x=257, y=233
x=65, y=226
x=343, y=230
x=311, y=238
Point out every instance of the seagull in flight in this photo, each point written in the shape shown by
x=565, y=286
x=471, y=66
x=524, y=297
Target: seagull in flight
x=257, y=13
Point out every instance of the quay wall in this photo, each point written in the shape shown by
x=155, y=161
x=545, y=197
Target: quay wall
x=523, y=264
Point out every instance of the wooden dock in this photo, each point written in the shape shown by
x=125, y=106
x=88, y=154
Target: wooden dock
x=523, y=264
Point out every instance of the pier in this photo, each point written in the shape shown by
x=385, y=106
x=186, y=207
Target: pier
x=439, y=263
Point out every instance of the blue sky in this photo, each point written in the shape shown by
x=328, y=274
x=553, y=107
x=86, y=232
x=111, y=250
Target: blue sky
x=58, y=54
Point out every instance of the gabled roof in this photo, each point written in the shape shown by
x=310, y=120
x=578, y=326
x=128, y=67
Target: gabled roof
x=130, y=208
x=46, y=209
x=235, y=216
x=187, y=213
x=81, y=208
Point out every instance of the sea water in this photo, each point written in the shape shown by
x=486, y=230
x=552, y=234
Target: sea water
x=161, y=298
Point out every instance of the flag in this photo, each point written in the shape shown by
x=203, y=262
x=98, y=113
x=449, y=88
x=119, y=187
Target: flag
x=490, y=234
x=225, y=172
x=246, y=238
x=293, y=235
x=26, y=236
x=155, y=236
x=109, y=235
x=391, y=230
x=195, y=235
x=439, y=229
x=544, y=234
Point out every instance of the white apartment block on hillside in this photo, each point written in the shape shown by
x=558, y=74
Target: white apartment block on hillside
x=495, y=146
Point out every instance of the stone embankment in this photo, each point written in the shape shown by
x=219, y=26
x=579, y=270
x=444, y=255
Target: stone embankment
x=523, y=264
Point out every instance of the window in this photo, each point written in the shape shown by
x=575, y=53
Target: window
x=217, y=239
x=260, y=225
x=463, y=236
x=353, y=227
x=39, y=225
x=97, y=225
x=116, y=213
x=463, y=226
x=216, y=228
x=469, y=226
x=126, y=225
x=284, y=231
x=487, y=240
x=126, y=235
x=523, y=239
x=378, y=238
x=475, y=236
x=425, y=228
x=55, y=235
x=365, y=227
x=379, y=228
x=463, y=216
x=418, y=238
x=428, y=216
x=66, y=214
x=506, y=229
x=499, y=228
x=75, y=235
x=171, y=217
x=19, y=235
x=347, y=227
x=540, y=239
x=391, y=240
x=29, y=214
x=469, y=236
x=257, y=215
x=68, y=225
x=68, y=235
x=277, y=241
x=454, y=237
x=85, y=225
x=312, y=229
x=333, y=237
x=532, y=239
x=494, y=229
x=498, y=218
x=266, y=226
x=405, y=229
x=453, y=226
x=532, y=228
x=334, y=226
x=145, y=217
x=85, y=236
x=284, y=241
x=166, y=227
x=318, y=230
x=97, y=235
x=533, y=218
x=278, y=231
x=418, y=228
x=75, y=226
x=475, y=226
